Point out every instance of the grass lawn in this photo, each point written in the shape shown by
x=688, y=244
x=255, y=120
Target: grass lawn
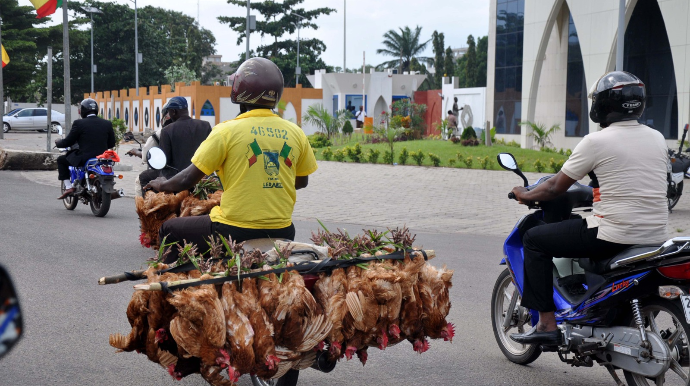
x=447, y=150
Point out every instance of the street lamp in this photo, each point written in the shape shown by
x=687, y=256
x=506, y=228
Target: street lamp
x=136, y=47
x=298, y=70
x=91, y=11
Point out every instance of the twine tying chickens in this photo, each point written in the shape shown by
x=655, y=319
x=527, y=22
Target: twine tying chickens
x=240, y=312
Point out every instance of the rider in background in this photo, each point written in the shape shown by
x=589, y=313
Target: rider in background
x=626, y=162
x=152, y=141
x=92, y=134
x=261, y=160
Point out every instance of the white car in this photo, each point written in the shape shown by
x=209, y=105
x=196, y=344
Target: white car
x=33, y=119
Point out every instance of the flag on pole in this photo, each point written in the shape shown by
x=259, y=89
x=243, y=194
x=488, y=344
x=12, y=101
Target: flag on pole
x=5, y=57
x=46, y=7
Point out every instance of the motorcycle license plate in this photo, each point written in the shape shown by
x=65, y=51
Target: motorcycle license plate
x=685, y=303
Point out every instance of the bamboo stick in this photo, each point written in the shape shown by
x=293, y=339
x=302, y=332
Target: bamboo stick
x=120, y=278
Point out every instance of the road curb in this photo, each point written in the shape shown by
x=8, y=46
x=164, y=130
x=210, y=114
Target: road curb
x=27, y=160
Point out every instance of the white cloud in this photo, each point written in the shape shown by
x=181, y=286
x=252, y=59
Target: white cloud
x=367, y=21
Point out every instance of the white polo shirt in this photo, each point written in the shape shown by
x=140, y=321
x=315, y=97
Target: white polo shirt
x=629, y=161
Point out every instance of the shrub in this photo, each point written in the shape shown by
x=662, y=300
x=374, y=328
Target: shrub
x=354, y=152
x=546, y=149
x=539, y=166
x=458, y=156
x=119, y=128
x=561, y=151
x=486, y=162
x=451, y=162
x=493, y=136
x=469, y=142
x=319, y=140
x=512, y=143
x=373, y=155
x=468, y=133
x=521, y=164
x=468, y=162
x=347, y=128
x=314, y=151
x=435, y=160
x=418, y=157
x=403, y=156
x=455, y=139
x=568, y=153
x=388, y=157
x=327, y=153
x=555, y=165
x=339, y=155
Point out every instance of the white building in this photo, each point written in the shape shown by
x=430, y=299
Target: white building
x=545, y=54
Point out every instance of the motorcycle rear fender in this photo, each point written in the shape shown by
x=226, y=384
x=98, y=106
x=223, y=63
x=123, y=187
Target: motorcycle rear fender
x=107, y=183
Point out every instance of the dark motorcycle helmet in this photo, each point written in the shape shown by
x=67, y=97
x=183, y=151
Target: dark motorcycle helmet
x=258, y=82
x=617, y=96
x=166, y=120
x=87, y=107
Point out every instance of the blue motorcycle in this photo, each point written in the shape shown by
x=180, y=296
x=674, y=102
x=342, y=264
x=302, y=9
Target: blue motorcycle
x=630, y=312
x=94, y=184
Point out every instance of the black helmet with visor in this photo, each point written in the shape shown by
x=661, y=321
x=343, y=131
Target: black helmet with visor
x=617, y=96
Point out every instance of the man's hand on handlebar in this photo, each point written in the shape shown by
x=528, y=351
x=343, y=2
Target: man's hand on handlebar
x=134, y=152
x=517, y=192
x=155, y=185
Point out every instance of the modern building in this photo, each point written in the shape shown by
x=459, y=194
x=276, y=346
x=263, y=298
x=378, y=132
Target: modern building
x=545, y=54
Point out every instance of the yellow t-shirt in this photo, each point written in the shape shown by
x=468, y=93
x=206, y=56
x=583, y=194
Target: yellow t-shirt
x=257, y=156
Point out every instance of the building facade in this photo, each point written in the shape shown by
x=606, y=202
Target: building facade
x=545, y=54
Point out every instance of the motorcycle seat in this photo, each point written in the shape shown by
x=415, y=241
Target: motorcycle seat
x=602, y=266
x=681, y=165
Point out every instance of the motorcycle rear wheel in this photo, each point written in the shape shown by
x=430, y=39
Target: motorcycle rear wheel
x=70, y=202
x=674, y=200
x=289, y=379
x=665, y=317
x=100, y=201
x=501, y=298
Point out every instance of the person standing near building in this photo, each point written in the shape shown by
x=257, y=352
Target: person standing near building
x=360, y=115
x=452, y=123
x=456, y=110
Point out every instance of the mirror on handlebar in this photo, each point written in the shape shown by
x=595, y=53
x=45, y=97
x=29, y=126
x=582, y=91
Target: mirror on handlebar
x=11, y=326
x=129, y=136
x=508, y=162
x=156, y=158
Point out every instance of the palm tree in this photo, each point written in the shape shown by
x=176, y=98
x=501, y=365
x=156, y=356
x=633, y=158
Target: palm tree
x=404, y=46
x=327, y=123
x=541, y=135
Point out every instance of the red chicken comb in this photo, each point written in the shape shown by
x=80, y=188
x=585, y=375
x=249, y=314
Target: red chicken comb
x=421, y=346
x=448, y=332
x=382, y=340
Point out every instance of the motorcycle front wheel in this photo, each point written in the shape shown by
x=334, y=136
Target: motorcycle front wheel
x=70, y=202
x=289, y=379
x=674, y=200
x=666, y=318
x=100, y=201
x=506, y=309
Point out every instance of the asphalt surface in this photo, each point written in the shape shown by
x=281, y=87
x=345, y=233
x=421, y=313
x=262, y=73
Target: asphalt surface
x=56, y=257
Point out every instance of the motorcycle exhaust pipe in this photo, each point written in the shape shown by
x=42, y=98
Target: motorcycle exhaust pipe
x=117, y=194
x=322, y=363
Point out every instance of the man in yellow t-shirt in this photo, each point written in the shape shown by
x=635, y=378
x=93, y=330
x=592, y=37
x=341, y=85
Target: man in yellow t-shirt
x=261, y=160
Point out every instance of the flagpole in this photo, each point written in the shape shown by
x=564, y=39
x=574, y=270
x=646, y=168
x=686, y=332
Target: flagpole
x=68, y=91
x=2, y=87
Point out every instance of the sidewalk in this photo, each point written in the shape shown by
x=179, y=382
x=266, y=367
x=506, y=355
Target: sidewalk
x=441, y=200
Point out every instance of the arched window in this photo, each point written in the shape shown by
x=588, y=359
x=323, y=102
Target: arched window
x=508, y=76
x=576, y=114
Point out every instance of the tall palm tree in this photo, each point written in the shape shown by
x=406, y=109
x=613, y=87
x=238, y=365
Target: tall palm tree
x=405, y=46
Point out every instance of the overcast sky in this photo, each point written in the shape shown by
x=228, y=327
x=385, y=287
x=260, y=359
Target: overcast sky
x=367, y=21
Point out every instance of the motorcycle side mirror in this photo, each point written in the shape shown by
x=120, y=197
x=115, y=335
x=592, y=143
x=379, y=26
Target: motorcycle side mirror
x=508, y=162
x=129, y=136
x=156, y=158
x=11, y=324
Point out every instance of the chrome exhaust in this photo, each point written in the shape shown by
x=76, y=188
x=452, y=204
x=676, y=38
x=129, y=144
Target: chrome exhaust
x=117, y=194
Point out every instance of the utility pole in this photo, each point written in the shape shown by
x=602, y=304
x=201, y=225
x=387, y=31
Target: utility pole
x=68, y=90
x=620, y=42
x=246, y=55
x=49, y=97
x=364, y=81
x=91, y=11
x=344, y=35
x=298, y=69
x=2, y=88
x=136, y=48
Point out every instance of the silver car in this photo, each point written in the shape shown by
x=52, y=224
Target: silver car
x=32, y=119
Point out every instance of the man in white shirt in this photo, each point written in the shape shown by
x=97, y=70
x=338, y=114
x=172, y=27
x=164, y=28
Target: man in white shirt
x=360, y=115
x=627, y=164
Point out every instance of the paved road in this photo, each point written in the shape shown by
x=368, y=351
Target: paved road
x=56, y=256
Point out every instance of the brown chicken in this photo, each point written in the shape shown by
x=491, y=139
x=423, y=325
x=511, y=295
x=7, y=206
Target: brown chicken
x=303, y=325
x=385, y=283
x=363, y=308
x=137, y=309
x=153, y=211
x=411, y=308
x=240, y=335
x=434, y=285
x=192, y=206
x=330, y=291
x=265, y=359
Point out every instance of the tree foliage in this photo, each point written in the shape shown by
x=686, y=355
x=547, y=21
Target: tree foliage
x=404, y=46
x=471, y=64
x=329, y=124
x=449, y=62
x=439, y=63
x=478, y=69
x=179, y=73
x=279, y=20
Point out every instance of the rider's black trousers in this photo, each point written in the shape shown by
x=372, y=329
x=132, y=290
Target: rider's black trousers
x=63, y=167
x=198, y=229
x=570, y=238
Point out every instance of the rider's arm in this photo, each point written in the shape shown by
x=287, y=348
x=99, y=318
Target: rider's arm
x=71, y=138
x=301, y=182
x=111, y=137
x=165, y=144
x=186, y=179
x=548, y=190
